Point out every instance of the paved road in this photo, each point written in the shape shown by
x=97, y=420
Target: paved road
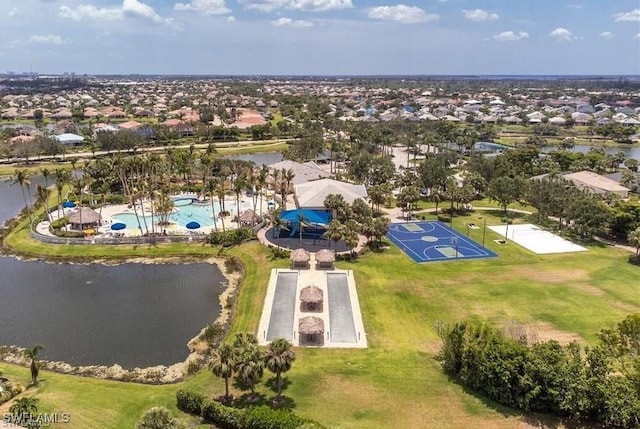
x=247, y=143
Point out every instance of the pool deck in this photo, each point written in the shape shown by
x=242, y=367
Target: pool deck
x=356, y=338
x=109, y=211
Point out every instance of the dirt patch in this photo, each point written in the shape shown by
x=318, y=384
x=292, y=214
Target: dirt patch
x=541, y=331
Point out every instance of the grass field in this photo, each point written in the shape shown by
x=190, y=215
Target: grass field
x=396, y=382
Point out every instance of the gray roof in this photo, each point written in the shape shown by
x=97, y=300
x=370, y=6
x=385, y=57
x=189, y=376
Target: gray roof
x=303, y=173
x=312, y=194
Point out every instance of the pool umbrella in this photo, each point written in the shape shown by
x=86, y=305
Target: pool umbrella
x=118, y=226
x=68, y=204
x=193, y=225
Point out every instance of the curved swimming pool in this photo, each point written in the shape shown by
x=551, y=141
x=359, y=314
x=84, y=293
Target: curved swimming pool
x=186, y=210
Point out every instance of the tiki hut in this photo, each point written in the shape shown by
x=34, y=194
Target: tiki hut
x=84, y=218
x=325, y=258
x=311, y=299
x=248, y=218
x=311, y=331
x=300, y=259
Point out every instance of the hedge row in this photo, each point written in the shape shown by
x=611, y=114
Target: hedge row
x=224, y=417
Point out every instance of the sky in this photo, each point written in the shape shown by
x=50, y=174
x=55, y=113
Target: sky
x=321, y=37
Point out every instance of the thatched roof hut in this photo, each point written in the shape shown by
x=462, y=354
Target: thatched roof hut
x=311, y=331
x=83, y=218
x=325, y=258
x=248, y=217
x=311, y=299
x=311, y=294
x=311, y=325
x=300, y=258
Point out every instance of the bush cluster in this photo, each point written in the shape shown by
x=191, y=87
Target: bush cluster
x=224, y=417
x=231, y=237
x=585, y=385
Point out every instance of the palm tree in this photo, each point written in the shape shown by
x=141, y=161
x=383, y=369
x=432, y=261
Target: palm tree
x=238, y=185
x=278, y=359
x=62, y=178
x=211, y=192
x=21, y=177
x=32, y=354
x=248, y=361
x=42, y=197
x=634, y=240
x=222, y=365
x=335, y=232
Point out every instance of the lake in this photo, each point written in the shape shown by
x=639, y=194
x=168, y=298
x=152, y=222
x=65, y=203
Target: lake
x=136, y=315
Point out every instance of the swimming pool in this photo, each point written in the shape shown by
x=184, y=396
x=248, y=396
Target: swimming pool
x=186, y=211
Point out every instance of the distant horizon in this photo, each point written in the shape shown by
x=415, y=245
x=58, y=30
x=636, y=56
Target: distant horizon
x=397, y=75
x=322, y=37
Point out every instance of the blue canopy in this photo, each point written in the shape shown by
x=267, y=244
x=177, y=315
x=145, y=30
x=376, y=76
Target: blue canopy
x=193, y=225
x=308, y=216
x=118, y=226
x=68, y=204
x=301, y=216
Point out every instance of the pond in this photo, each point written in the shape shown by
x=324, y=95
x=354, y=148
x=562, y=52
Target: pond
x=134, y=314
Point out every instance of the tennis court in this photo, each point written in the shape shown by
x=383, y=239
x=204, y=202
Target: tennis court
x=434, y=241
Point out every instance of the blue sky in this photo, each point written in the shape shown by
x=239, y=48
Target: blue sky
x=300, y=37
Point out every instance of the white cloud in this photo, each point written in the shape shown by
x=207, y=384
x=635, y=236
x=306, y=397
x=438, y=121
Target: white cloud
x=574, y=6
x=638, y=36
x=479, y=15
x=562, y=34
x=12, y=12
x=402, y=13
x=607, y=35
x=288, y=22
x=633, y=16
x=88, y=11
x=50, y=39
x=263, y=5
x=319, y=5
x=128, y=8
x=207, y=7
x=306, y=5
x=509, y=36
x=231, y=18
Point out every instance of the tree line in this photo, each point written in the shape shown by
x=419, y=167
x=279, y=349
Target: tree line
x=590, y=384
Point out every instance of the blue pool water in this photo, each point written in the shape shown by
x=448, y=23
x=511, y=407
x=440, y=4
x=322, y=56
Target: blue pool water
x=186, y=211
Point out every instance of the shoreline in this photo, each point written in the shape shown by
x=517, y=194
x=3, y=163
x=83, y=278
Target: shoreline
x=157, y=374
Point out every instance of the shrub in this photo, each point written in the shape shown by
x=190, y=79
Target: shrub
x=446, y=218
x=59, y=223
x=158, y=418
x=211, y=332
x=221, y=416
x=190, y=402
x=192, y=367
x=263, y=417
x=232, y=265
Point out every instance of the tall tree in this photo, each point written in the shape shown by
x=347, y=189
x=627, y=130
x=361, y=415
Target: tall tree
x=21, y=177
x=32, y=355
x=222, y=365
x=278, y=359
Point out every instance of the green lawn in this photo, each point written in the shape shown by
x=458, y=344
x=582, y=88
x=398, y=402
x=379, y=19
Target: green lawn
x=396, y=382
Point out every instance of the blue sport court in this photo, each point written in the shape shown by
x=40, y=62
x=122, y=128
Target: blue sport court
x=434, y=241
